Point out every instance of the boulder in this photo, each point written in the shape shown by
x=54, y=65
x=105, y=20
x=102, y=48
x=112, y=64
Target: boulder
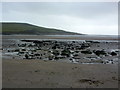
x=113, y=53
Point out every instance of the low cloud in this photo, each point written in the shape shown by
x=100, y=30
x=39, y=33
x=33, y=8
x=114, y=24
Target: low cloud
x=88, y=18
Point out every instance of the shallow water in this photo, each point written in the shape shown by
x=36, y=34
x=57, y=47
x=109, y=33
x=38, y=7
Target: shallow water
x=114, y=36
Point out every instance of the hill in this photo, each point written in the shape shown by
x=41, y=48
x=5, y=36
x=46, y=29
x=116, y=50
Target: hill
x=29, y=29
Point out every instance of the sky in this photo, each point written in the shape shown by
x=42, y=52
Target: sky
x=99, y=18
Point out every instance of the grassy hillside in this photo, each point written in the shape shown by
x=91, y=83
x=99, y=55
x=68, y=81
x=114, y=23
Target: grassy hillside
x=24, y=28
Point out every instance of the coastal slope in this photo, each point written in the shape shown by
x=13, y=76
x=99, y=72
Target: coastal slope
x=9, y=28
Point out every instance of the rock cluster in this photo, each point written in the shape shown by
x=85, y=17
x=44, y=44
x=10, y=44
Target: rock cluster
x=72, y=51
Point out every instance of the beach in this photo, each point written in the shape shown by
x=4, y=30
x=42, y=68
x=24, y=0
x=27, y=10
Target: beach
x=70, y=72
x=41, y=74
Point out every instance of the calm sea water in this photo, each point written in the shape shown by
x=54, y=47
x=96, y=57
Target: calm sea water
x=67, y=35
x=76, y=37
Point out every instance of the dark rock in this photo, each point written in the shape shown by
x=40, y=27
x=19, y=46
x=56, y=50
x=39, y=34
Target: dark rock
x=86, y=52
x=17, y=50
x=56, y=52
x=92, y=41
x=26, y=56
x=113, y=53
x=36, y=54
x=50, y=57
x=100, y=52
x=84, y=45
x=65, y=52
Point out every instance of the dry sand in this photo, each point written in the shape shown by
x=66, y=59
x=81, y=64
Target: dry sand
x=47, y=74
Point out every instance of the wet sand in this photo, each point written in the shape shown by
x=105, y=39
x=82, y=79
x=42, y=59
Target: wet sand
x=47, y=74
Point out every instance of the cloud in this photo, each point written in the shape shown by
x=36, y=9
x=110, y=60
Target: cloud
x=83, y=9
x=81, y=17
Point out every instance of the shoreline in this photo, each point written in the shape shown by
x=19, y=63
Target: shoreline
x=68, y=37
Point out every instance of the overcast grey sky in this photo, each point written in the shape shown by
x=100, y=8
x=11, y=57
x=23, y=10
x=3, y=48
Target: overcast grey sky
x=81, y=17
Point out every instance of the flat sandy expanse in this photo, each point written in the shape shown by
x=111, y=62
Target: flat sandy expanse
x=51, y=74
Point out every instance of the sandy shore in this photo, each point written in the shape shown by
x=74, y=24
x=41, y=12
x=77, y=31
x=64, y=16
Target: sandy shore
x=47, y=74
x=22, y=73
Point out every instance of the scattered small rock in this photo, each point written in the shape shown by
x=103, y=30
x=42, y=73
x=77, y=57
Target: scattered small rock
x=95, y=82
